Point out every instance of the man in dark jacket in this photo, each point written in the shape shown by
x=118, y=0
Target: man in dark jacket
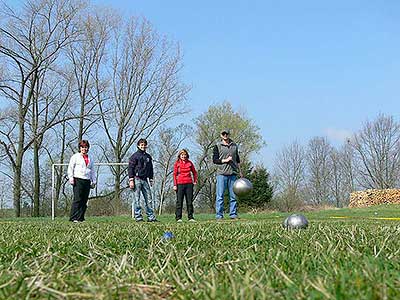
x=140, y=171
x=226, y=156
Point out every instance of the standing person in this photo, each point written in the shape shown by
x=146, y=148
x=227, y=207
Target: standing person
x=226, y=156
x=82, y=177
x=140, y=171
x=183, y=184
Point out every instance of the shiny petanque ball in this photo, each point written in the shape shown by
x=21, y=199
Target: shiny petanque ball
x=168, y=235
x=295, y=221
x=242, y=186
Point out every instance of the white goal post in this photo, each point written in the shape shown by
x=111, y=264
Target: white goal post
x=53, y=166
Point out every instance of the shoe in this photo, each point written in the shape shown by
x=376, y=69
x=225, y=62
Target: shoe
x=139, y=220
x=234, y=217
x=219, y=219
x=179, y=221
x=154, y=220
x=192, y=220
x=75, y=221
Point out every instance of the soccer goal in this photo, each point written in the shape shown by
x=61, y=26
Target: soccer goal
x=99, y=176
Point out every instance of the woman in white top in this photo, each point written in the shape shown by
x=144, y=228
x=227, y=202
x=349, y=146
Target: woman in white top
x=82, y=177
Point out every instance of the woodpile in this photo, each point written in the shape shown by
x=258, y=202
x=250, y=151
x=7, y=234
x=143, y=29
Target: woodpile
x=374, y=197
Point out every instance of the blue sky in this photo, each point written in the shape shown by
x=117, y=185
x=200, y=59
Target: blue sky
x=299, y=68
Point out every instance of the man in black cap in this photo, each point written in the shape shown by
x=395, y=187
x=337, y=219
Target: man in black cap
x=226, y=156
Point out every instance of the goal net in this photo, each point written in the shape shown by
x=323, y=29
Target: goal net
x=100, y=198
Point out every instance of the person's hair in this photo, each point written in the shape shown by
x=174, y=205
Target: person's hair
x=183, y=151
x=142, y=141
x=83, y=143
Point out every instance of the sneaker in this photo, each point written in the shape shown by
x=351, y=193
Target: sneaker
x=179, y=221
x=154, y=220
x=192, y=220
x=75, y=221
x=139, y=220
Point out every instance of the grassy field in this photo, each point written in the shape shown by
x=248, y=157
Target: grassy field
x=344, y=254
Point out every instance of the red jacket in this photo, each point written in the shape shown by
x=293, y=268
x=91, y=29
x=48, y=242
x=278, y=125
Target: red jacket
x=182, y=170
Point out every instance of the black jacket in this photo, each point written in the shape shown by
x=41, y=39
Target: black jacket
x=140, y=165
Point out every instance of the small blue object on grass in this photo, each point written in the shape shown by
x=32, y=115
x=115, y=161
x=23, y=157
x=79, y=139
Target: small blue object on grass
x=168, y=235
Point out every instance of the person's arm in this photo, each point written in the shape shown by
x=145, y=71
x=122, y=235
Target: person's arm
x=151, y=175
x=194, y=174
x=92, y=173
x=216, y=159
x=238, y=162
x=175, y=174
x=131, y=171
x=237, y=156
x=131, y=167
x=71, y=167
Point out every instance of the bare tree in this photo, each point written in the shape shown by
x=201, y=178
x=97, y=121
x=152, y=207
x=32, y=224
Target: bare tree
x=347, y=165
x=338, y=182
x=31, y=41
x=319, y=170
x=49, y=109
x=377, y=149
x=167, y=146
x=87, y=57
x=207, y=133
x=289, y=174
x=145, y=90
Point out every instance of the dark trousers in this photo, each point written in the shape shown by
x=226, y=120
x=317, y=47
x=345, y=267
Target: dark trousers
x=81, y=194
x=184, y=190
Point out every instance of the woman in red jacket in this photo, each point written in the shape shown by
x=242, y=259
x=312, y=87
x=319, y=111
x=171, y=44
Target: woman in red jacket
x=183, y=184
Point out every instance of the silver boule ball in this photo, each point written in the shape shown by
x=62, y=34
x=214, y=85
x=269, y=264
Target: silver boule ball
x=295, y=221
x=242, y=186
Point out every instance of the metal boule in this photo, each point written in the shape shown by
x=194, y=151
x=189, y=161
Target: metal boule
x=242, y=186
x=295, y=221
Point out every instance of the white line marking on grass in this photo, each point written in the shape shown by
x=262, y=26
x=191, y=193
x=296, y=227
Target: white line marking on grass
x=393, y=219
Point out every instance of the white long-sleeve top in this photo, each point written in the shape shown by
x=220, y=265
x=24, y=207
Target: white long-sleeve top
x=77, y=168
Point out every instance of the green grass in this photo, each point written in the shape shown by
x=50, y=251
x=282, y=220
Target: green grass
x=253, y=258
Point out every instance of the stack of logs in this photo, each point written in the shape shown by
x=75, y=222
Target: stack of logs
x=374, y=197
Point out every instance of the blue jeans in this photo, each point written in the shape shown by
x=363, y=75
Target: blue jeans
x=142, y=187
x=223, y=182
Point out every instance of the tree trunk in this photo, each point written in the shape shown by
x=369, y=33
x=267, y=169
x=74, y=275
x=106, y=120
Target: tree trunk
x=36, y=186
x=17, y=190
x=18, y=164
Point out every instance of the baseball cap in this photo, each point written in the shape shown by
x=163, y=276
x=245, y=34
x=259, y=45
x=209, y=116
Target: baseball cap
x=225, y=131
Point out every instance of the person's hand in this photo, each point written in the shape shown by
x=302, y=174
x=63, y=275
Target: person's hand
x=228, y=159
x=194, y=183
x=241, y=174
x=72, y=181
x=131, y=184
x=175, y=188
x=92, y=185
